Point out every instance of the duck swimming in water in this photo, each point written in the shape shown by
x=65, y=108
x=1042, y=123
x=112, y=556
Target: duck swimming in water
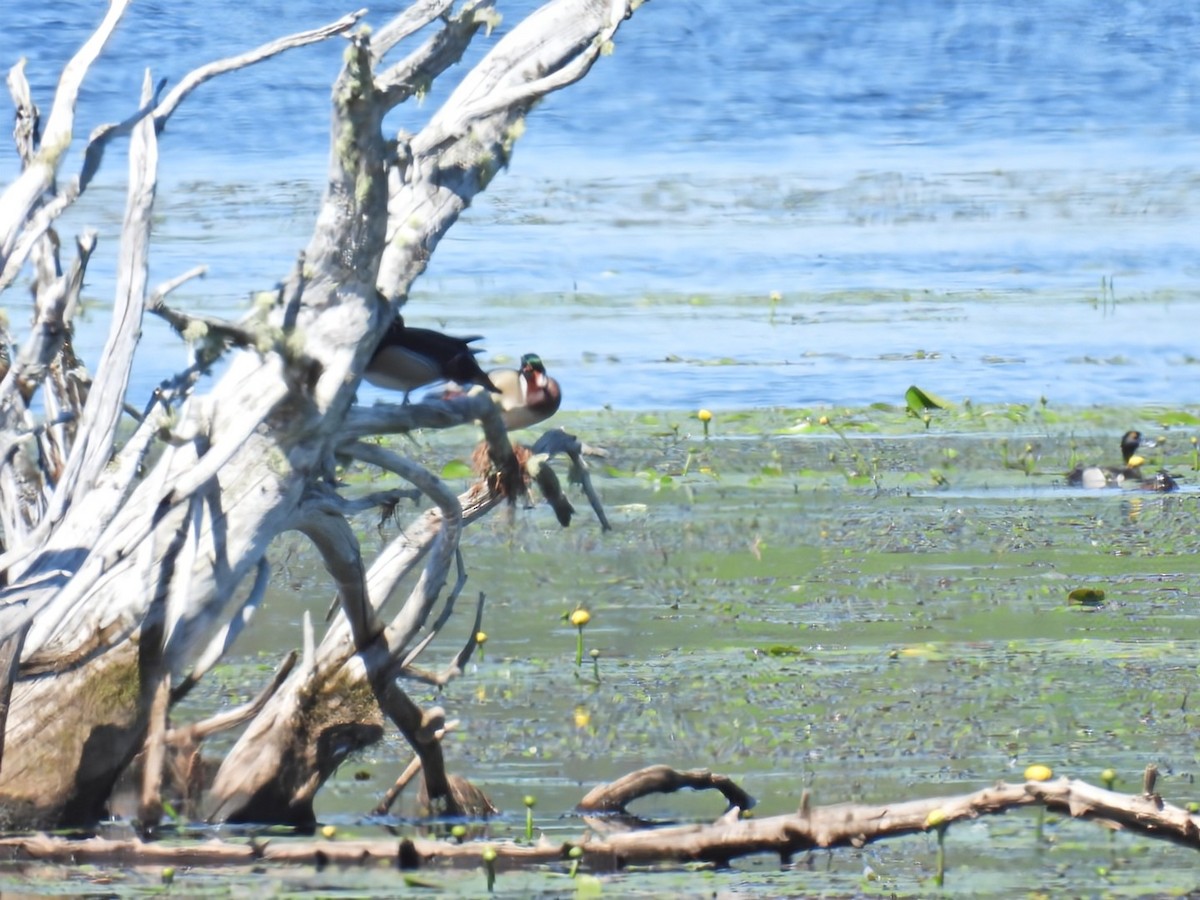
x=1128, y=475
x=1111, y=476
x=408, y=358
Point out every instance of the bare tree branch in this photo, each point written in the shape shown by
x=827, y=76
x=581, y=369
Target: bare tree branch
x=98, y=425
x=406, y=24
x=441, y=51
x=21, y=196
x=333, y=537
x=198, y=76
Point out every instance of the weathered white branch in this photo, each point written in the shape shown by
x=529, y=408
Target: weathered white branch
x=455, y=667
x=228, y=634
x=470, y=138
x=40, y=222
x=51, y=319
x=98, y=424
x=232, y=718
x=20, y=197
x=412, y=615
x=523, y=67
x=198, y=76
x=408, y=23
x=445, y=48
x=443, y=617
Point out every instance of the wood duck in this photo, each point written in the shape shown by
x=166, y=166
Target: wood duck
x=1112, y=476
x=527, y=395
x=408, y=358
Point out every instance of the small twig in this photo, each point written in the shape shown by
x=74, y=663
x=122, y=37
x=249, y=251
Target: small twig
x=455, y=668
x=166, y=287
x=378, y=499
x=394, y=792
x=190, y=326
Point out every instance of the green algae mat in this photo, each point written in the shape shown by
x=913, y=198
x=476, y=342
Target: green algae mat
x=873, y=605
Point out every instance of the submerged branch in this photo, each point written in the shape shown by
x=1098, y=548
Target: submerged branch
x=821, y=827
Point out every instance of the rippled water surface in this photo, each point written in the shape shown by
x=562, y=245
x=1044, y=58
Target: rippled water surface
x=996, y=200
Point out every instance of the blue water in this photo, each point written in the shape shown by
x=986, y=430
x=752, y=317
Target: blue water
x=936, y=190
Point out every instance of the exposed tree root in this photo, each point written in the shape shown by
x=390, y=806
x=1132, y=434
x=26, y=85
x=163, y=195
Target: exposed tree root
x=730, y=837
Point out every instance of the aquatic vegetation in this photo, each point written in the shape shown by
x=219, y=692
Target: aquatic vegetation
x=782, y=619
x=790, y=627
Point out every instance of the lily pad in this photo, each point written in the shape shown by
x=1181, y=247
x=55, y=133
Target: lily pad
x=456, y=468
x=918, y=401
x=1089, y=597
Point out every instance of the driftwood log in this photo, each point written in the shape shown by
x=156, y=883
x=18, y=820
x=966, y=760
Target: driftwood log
x=133, y=556
x=729, y=837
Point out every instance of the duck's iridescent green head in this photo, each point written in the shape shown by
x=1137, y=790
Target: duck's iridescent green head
x=534, y=362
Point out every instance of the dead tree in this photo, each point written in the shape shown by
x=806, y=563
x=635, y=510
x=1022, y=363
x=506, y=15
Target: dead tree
x=125, y=575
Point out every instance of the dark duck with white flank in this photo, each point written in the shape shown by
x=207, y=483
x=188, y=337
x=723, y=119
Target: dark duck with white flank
x=527, y=395
x=1127, y=475
x=1111, y=476
x=408, y=358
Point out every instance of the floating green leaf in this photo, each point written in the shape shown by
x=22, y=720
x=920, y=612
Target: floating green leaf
x=456, y=468
x=1091, y=597
x=1177, y=418
x=918, y=401
x=782, y=650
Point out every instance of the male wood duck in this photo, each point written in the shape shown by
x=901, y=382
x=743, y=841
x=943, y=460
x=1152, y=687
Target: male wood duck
x=527, y=395
x=1128, y=475
x=408, y=358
